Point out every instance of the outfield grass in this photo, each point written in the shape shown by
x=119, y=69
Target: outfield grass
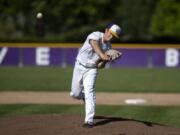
x=139, y=80
x=155, y=114
x=109, y=80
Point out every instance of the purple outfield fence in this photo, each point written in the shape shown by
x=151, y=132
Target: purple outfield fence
x=63, y=56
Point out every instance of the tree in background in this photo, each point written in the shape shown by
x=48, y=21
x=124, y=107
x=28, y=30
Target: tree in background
x=135, y=16
x=64, y=20
x=166, y=19
x=71, y=21
x=16, y=19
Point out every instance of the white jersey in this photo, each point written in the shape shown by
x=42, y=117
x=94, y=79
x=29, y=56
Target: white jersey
x=86, y=55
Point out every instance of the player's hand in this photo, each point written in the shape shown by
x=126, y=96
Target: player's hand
x=101, y=64
x=105, y=57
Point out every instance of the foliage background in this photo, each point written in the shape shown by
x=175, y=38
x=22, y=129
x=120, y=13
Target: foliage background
x=71, y=21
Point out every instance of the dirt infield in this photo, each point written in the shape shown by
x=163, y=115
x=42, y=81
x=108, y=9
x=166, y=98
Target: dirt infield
x=72, y=125
x=102, y=98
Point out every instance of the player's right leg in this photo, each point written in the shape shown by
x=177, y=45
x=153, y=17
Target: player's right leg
x=77, y=84
x=90, y=97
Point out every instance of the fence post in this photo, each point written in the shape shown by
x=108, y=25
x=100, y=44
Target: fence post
x=64, y=59
x=150, y=59
x=20, y=57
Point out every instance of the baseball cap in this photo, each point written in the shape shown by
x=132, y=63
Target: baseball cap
x=114, y=30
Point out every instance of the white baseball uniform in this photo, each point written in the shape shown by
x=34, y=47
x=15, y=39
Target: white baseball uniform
x=85, y=73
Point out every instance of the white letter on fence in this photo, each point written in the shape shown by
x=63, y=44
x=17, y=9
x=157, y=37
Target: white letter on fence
x=3, y=53
x=42, y=56
x=172, y=57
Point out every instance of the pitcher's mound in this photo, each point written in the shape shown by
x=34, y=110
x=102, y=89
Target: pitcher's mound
x=72, y=125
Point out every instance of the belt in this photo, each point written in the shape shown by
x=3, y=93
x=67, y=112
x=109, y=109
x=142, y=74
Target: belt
x=86, y=66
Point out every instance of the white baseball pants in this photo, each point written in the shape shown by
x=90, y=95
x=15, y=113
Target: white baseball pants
x=83, y=86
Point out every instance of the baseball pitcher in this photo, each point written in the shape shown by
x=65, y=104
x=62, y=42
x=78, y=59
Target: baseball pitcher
x=93, y=55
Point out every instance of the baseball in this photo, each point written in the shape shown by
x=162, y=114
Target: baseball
x=39, y=15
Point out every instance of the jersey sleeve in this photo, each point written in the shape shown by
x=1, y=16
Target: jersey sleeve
x=95, y=36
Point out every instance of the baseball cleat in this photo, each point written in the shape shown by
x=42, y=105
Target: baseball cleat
x=88, y=125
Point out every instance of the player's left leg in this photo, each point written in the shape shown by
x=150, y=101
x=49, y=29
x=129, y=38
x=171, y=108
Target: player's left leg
x=77, y=84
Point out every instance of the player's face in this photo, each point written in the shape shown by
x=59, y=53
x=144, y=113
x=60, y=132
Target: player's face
x=108, y=36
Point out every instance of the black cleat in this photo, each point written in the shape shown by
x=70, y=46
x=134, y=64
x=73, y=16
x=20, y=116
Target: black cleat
x=88, y=125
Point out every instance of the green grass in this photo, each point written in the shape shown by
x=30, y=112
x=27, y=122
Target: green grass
x=35, y=79
x=109, y=80
x=139, y=80
x=156, y=114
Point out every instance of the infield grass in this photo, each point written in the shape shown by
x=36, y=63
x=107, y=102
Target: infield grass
x=156, y=114
x=109, y=80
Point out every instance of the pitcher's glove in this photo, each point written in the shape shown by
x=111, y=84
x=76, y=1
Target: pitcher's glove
x=113, y=54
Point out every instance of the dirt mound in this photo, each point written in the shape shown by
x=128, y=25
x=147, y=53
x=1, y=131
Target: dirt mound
x=72, y=125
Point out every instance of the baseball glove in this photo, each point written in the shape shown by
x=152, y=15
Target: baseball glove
x=113, y=54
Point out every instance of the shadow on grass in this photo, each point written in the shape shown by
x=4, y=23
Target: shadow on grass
x=103, y=120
